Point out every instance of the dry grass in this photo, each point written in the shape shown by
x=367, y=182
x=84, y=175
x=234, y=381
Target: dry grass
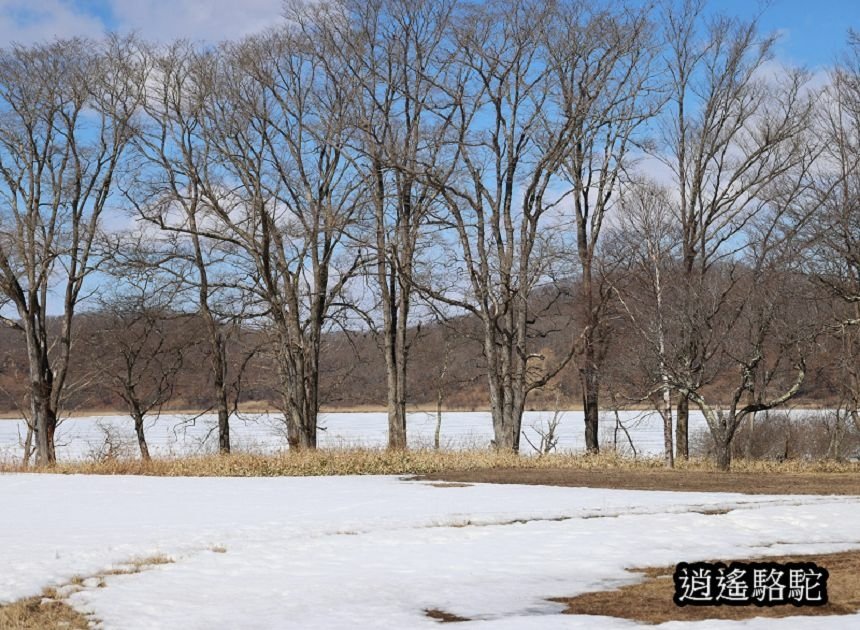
x=136, y=565
x=41, y=613
x=412, y=462
x=49, y=611
x=650, y=601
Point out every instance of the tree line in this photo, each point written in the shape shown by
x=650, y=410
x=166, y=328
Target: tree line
x=560, y=168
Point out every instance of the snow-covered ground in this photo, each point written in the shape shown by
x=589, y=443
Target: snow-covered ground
x=80, y=438
x=374, y=552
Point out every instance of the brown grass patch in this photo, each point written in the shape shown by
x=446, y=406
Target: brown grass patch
x=40, y=613
x=602, y=470
x=48, y=610
x=136, y=565
x=650, y=601
x=752, y=481
x=444, y=616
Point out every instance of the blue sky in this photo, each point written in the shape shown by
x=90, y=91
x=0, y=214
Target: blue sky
x=813, y=31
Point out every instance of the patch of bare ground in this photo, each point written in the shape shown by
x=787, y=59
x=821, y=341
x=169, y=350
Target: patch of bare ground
x=444, y=616
x=776, y=482
x=650, y=601
x=41, y=612
x=49, y=610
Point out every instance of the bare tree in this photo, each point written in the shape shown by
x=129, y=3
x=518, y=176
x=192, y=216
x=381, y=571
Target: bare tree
x=757, y=344
x=504, y=145
x=547, y=430
x=173, y=192
x=533, y=108
x=602, y=61
x=837, y=260
x=141, y=347
x=276, y=128
x=730, y=130
x=440, y=392
x=394, y=49
x=67, y=112
x=646, y=240
x=834, y=253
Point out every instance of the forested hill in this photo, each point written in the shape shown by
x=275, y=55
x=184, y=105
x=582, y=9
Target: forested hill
x=446, y=363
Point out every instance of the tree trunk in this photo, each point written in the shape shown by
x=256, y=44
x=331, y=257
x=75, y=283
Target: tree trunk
x=223, y=428
x=440, y=394
x=301, y=407
x=506, y=429
x=301, y=428
x=590, y=403
x=298, y=365
x=28, y=444
x=141, y=437
x=46, y=425
x=682, y=428
x=723, y=453
x=506, y=421
x=396, y=423
x=589, y=377
x=304, y=437
x=219, y=370
x=394, y=295
x=44, y=417
x=437, y=434
x=395, y=369
x=217, y=343
x=307, y=432
x=400, y=374
x=666, y=413
x=506, y=407
x=50, y=430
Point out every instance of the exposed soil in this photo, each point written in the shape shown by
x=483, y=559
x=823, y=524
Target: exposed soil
x=686, y=480
x=444, y=616
x=650, y=601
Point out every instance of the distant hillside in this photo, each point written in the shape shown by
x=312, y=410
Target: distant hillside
x=353, y=373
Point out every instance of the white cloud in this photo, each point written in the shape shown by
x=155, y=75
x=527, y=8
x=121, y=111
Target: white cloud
x=28, y=21
x=209, y=20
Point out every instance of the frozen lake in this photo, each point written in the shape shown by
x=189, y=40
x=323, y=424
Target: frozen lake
x=83, y=437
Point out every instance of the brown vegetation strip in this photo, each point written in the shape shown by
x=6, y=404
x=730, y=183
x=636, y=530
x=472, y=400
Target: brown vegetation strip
x=651, y=602
x=48, y=610
x=481, y=465
x=681, y=480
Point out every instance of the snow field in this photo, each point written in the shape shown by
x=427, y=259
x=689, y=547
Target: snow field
x=374, y=552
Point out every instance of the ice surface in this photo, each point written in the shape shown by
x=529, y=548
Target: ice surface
x=81, y=438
